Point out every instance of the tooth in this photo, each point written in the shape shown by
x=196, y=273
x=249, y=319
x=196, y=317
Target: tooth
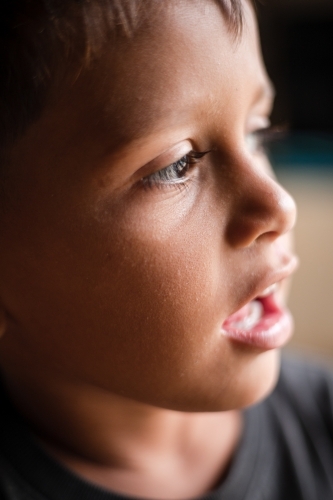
x=252, y=318
x=268, y=291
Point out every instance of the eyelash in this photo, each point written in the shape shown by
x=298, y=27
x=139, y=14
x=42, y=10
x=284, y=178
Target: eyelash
x=263, y=137
x=175, y=173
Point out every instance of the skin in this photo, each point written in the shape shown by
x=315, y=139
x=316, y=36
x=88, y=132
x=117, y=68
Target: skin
x=114, y=289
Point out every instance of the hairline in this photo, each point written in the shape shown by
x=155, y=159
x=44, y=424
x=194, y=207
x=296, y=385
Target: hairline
x=44, y=43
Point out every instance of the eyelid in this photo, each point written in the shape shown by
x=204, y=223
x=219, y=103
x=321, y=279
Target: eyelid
x=192, y=157
x=165, y=159
x=155, y=179
x=257, y=122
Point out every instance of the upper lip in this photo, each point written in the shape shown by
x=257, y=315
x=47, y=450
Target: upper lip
x=275, y=276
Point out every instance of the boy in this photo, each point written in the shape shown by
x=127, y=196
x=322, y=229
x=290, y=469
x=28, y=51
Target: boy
x=143, y=261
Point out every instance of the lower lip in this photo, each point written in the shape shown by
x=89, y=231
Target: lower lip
x=271, y=331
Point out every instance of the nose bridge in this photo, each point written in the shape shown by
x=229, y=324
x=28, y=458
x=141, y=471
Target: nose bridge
x=263, y=208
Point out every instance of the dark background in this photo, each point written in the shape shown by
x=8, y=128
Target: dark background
x=297, y=39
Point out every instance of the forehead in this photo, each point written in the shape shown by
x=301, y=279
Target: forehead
x=178, y=67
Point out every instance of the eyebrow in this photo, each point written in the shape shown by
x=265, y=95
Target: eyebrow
x=142, y=130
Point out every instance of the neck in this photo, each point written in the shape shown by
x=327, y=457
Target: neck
x=125, y=445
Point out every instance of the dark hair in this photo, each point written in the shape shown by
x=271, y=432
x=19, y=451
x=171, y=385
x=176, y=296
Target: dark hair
x=41, y=39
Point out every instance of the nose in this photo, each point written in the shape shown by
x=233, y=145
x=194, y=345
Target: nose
x=262, y=209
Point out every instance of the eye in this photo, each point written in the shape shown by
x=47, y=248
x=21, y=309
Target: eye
x=253, y=142
x=258, y=140
x=176, y=173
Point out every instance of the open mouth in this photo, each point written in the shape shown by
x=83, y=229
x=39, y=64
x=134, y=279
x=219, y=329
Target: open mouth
x=261, y=323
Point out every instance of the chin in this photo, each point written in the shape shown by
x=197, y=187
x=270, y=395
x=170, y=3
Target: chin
x=257, y=380
x=253, y=380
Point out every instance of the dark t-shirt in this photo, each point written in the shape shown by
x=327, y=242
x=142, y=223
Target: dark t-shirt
x=286, y=451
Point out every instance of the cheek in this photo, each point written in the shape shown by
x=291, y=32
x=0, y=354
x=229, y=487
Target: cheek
x=134, y=305
x=168, y=288
x=147, y=289
x=167, y=311
x=169, y=261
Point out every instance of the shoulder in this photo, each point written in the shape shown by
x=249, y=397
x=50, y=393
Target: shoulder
x=305, y=390
x=299, y=417
x=302, y=380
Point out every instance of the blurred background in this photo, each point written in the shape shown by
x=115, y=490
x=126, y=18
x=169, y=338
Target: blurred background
x=297, y=39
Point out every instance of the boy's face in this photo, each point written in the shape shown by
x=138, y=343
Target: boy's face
x=115, y=273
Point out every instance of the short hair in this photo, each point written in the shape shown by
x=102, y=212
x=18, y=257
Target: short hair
x=41, y=38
